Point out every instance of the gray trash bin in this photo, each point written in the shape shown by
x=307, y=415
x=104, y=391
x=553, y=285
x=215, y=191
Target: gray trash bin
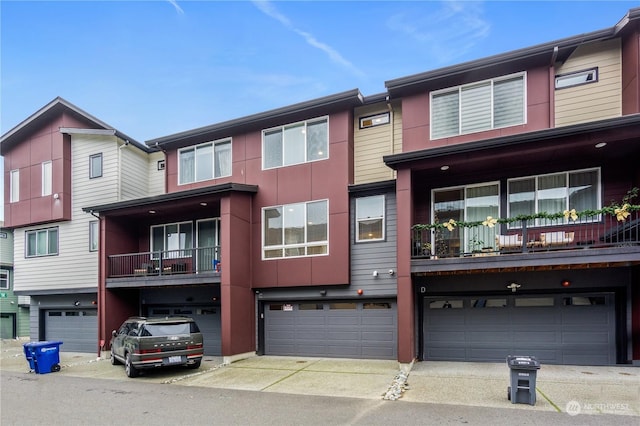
x=524, y=370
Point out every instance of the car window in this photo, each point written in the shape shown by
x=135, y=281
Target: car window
x=166, y=329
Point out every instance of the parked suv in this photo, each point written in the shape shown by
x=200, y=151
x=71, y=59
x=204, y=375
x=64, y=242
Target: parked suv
x=144, y=343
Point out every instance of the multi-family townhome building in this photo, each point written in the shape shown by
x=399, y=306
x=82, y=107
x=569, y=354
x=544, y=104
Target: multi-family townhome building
x=14, y=310
x=518, y=229
x=57, y=161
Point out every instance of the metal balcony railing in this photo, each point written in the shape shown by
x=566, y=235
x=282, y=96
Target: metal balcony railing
x=169, y=262
x=536, y=235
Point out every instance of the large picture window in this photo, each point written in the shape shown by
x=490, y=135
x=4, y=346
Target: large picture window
x=294, y=230
x=43, y=242
x=205, y=161
x=370, y=218
x=554, y=193
x=295, y=143
x=477, y=107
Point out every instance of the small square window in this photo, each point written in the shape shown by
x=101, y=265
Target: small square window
x=95, y=166
x=161, y=165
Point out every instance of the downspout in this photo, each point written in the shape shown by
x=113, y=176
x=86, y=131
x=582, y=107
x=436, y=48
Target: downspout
x=102, y=338
x=552, y=89
x=392, y=131
x=119, y=176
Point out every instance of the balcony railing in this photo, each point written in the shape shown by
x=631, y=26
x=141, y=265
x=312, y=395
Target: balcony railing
x=169, y=262
x=537, y=235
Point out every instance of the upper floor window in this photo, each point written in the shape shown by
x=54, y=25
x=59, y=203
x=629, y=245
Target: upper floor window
x=95, y=166
x=554, y=193
x=47, y=178
x=205, y=161
x=370, y=218
x=4, y=279
x=295, y=143
x=295, y=230
x=374, y=120
x=93, y=235
x=577, y=78
x=14, y=186
x=42, y=242
x=480, y=106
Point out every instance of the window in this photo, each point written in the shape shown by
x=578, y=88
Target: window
x=14, y=188
x=295, y=143
x=43, y=242
x=160, y=165
x=554, y=193
x=466, y=204
x=476, y=107
x=174, y=240
x=93, y=235
x=577, y=78
x=46, y=178
x=370, y=218
x=95, y=166
x=4, y=279
x=205, y=161
x=295, y=230
x=374, y=120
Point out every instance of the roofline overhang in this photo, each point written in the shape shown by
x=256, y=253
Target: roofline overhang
x=61, y=104
x=343, y=100
x=104, y=132
x=395, y=161
x=382, y=186
x=545, y=51
x=173, y=196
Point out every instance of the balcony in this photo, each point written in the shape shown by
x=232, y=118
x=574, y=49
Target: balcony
x=165, y=263
x=595, y=238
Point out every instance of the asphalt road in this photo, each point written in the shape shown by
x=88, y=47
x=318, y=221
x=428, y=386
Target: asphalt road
x=51, y=399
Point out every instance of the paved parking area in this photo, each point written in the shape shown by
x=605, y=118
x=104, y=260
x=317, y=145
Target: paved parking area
x=570, y=389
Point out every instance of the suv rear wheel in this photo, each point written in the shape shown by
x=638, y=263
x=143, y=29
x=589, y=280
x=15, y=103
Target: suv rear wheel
x=129, y=368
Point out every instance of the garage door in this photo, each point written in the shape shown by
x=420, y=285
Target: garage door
x=557, y=329
x=77, y=329
x=337, y=329
x=207, y=318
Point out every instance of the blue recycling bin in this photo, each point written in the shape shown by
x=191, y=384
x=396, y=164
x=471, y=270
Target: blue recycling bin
x=43, y=357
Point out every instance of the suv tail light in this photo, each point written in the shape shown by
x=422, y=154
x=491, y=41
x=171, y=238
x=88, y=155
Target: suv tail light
x=195, y=346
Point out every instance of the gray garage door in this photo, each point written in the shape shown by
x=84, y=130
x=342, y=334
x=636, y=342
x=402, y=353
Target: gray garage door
x=77, y=329
x=558, y=329
x=208, y=319
x=338, y=329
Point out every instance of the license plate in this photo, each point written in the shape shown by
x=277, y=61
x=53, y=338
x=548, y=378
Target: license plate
x=174, y=360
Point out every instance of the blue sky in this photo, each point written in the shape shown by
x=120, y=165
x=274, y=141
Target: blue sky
x=153, y=68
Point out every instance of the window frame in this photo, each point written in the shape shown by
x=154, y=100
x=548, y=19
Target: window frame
x=382, y=217
x=469, y=86
x=5, y=279
x=283, y=246
x=536, y=198
x=180, y=252
x=14, y=186
x=283, y=145
x=215, y=167
x=47, y=178
x=575, y=74
x=48, y=231
x=94, y=235
x=93, y=173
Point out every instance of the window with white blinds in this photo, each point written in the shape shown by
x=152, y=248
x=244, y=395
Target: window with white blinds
x=480, y=106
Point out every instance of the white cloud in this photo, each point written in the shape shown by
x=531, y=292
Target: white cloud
x=268, y=9
x=447, y=33
x=175, y=4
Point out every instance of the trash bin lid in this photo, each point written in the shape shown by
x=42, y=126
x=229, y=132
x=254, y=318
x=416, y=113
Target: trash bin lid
x=522, y=362
x=41, y=344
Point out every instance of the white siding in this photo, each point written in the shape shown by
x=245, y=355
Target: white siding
x=371, y=144
x=156, y=177
x=594, y=101
x=133, y=172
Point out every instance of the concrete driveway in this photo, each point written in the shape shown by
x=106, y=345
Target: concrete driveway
x=571, y=389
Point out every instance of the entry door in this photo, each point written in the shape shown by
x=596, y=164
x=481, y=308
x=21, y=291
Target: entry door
x=7, y=326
